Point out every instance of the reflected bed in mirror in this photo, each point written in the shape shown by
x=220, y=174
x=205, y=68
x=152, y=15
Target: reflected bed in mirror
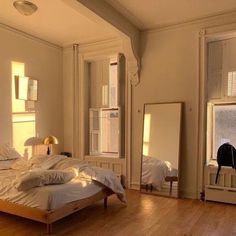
x=26, y=88
x=160, y=150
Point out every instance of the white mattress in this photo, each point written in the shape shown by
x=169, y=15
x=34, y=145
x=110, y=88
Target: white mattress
x=47, y=197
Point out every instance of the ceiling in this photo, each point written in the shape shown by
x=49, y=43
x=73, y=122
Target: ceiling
x=55, y=21
x=148, y=14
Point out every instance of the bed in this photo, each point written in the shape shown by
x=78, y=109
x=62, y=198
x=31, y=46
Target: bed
x=49, y=203
x=155, y=172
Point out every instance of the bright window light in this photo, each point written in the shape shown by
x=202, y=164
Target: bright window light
x=23, y=122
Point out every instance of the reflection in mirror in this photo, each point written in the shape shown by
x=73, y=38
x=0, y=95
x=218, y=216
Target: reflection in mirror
x=160, y=150
x=26, y=88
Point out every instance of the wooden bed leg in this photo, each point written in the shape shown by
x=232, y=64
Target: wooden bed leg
x=151, y=187
x=105, y=202
x=49, y=228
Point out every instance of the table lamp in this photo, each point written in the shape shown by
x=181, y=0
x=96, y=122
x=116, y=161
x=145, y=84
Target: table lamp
x=33, y=142
x=50, y=140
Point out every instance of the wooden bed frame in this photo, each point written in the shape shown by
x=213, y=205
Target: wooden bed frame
x=48, y=217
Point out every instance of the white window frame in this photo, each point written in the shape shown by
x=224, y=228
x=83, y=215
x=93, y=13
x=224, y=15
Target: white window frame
x=211, y=154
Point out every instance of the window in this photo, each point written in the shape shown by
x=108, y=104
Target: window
x=105, y=116
x=223, y=126
x=221, y=95
x=23, y=115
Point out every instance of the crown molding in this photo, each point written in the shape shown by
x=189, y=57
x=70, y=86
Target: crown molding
x=190, y=22
x=104, y=42
x=94, y=43
x=29, y=36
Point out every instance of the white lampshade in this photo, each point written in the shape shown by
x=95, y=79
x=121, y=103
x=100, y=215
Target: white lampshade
x=33, y=141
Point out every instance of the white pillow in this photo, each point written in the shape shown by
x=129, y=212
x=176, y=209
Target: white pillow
x=8, y=153
x=69, y=162
x=37, y=178
x=45, y=162
x=20, y=164
x=5, y=165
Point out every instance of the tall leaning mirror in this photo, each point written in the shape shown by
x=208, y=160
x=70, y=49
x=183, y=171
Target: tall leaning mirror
x=161, y=149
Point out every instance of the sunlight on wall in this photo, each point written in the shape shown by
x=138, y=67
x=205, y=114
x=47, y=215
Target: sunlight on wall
x=23, y=122
x=146, y=134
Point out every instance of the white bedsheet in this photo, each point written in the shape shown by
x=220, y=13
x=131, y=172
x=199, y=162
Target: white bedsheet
x=47, y=197
x=88, y=181
x=154, y=171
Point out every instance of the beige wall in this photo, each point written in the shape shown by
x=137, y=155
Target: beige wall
x=170, y=64
x=42, y=62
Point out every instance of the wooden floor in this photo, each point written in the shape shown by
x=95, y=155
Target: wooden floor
x=144, y=215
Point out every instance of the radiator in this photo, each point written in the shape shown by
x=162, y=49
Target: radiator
x=225, y=189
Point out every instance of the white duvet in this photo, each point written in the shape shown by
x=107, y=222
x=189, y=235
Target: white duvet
x=88, y=181
x=154, y=171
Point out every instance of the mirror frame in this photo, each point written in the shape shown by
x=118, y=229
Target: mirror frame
x=180, y=134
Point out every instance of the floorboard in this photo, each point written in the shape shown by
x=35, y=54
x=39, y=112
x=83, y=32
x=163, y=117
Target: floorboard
x=144, y=215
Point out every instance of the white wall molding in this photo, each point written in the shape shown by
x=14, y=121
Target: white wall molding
x=133, y=61
x=188, y=194
x=201, y=132
x=29, y=36
x=75, y=99
x=135, y=186
x=225, y=16
x=219, y=32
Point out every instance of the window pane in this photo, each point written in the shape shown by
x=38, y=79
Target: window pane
x=110, y=131
x=224, y=126
x=113, y=85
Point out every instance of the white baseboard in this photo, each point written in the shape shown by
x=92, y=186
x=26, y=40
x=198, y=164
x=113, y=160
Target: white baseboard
x=135, y=186
x=188, y=194
x=183, y=193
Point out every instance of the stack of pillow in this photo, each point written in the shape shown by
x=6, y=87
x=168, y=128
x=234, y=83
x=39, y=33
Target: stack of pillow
x=8, y=155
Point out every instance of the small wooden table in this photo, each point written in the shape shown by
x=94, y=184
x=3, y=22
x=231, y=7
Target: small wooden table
x=171, y=179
